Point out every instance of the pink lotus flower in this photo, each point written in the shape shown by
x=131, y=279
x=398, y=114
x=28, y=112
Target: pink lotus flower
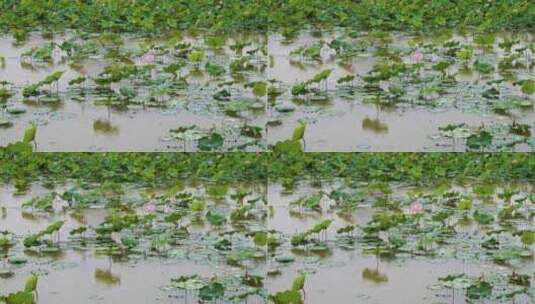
x=149, y=208
x=148, y=58
x=416, y=207
x=417, y=57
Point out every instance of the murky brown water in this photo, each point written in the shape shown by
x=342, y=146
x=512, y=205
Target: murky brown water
x=82, y=127
x=347, y=127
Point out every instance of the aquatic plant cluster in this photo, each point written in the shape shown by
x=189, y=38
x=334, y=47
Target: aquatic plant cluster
x=151, y=169
x=214, y=84
x=475, y=90
x=262, y=231
x=215, y=92
x=287, y=15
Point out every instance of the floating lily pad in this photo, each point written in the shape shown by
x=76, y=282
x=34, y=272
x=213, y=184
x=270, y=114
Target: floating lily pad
x=16, y=110
x=17, y=260
x=284, y=258
x=4, y=123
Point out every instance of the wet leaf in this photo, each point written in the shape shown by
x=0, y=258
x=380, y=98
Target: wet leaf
x=212, y=291
x=211, y=142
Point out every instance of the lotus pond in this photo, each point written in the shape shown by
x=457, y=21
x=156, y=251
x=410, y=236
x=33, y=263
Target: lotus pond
x=116, y=92
x=342, y=239
x=351, y=90
x=387, y=91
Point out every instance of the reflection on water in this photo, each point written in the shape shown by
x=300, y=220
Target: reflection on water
x=107, y=277
x=105, y=127
x=373, y=275
x=374, y=125
x=52, y=104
